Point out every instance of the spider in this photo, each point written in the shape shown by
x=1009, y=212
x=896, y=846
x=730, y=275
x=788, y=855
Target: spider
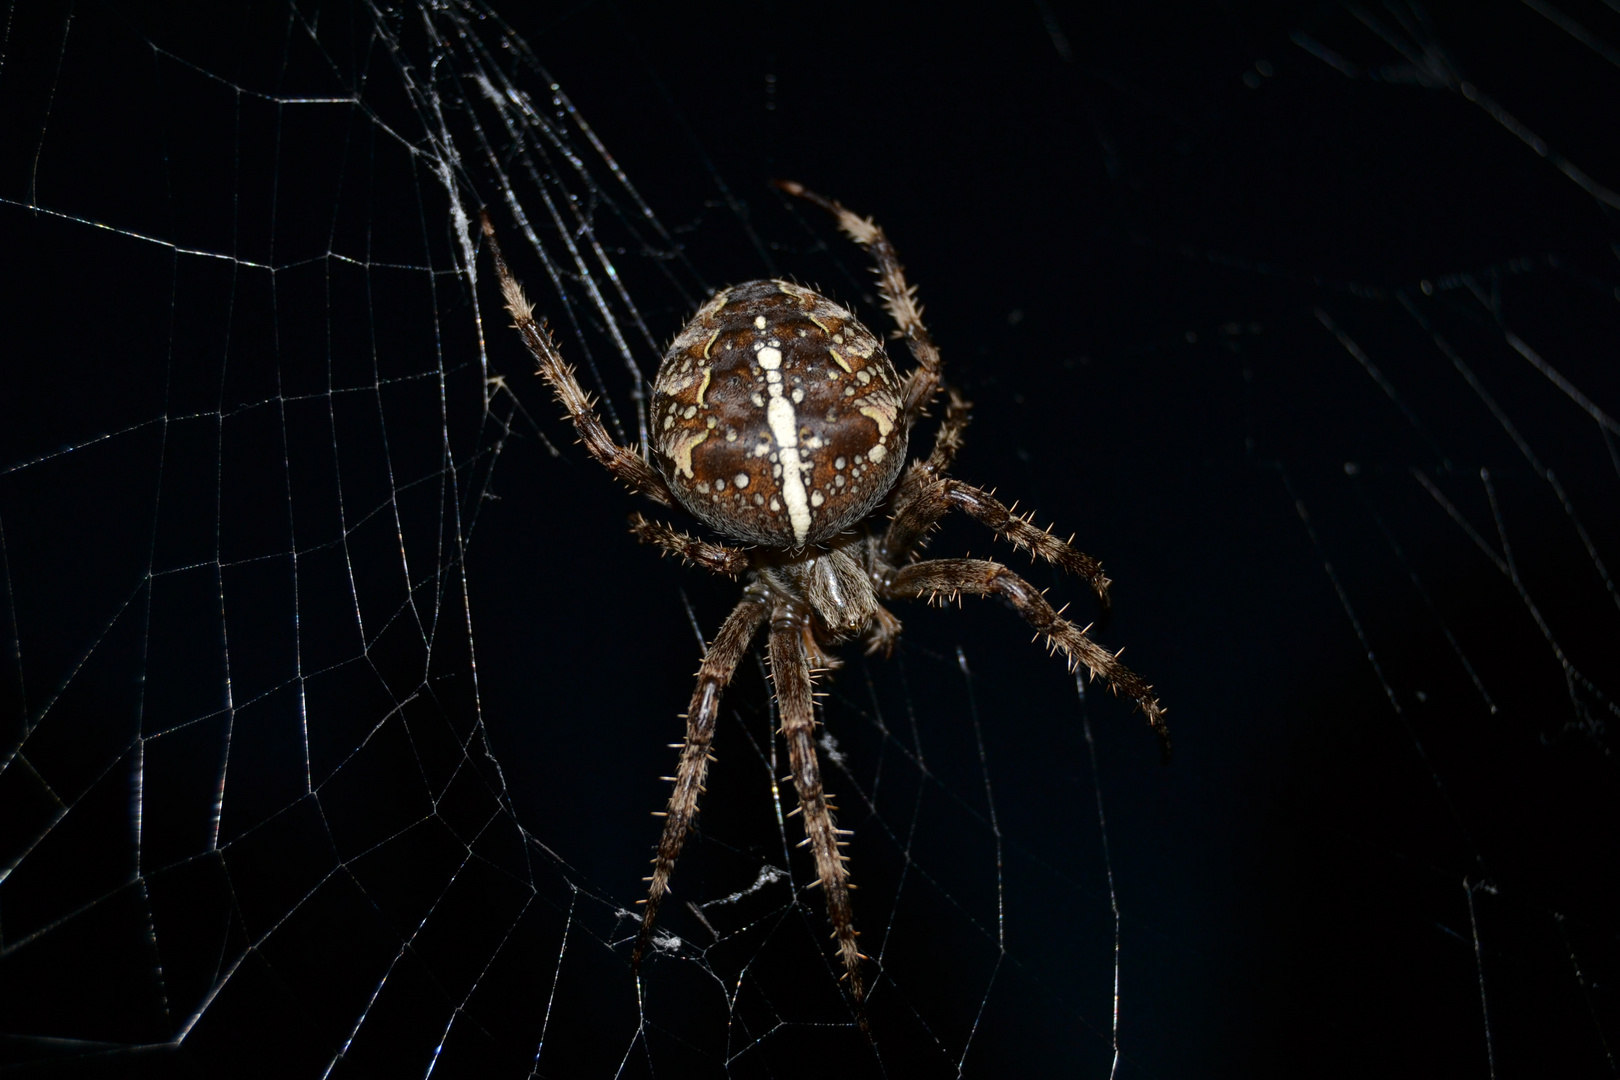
x=779, y=422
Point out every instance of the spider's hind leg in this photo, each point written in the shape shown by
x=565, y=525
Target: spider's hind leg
x=720, y=662
x=790, y=675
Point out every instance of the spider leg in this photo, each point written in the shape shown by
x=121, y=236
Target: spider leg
x=917, y=478
x=949, y=578
x=714, y=557
x=948, y=439
x=916, y=512
x=720, y=661
x=790, y=674
x=899, y=298
x=622, y=463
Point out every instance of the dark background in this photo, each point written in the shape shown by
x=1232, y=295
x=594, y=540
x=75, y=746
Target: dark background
x=335, y=700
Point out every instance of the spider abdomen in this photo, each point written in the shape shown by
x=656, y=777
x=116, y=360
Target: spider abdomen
x=776, y=416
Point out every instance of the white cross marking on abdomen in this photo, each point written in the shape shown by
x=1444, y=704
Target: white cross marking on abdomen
x=784, y=422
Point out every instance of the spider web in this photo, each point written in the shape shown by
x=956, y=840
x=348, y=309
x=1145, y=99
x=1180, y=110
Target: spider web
x=337, y=689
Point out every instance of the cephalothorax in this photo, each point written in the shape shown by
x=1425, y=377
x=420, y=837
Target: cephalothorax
x=779, y=421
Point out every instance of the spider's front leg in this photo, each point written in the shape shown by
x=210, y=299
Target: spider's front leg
x=790, y=674
x=627, y=466
x=948, y=439
x=948, y=578
x=899, y=297
x=720, y=662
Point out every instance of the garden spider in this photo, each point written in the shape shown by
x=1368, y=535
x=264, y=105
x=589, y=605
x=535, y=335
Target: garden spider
x=779, y=422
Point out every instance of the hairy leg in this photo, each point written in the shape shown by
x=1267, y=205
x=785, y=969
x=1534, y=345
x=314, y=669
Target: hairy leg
x=899, y=298
x=946, y=579
x=627, y=466
x=883, y=634
x=916, y=515
x=715, y=557
x=720, y=661
x=948, y=439
x=790, y=673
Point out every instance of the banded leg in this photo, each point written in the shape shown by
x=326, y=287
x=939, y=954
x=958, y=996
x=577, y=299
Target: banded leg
x=948, y=439
x=720, y=661
x=924, y=471
x=714, y=557
x=915, y=515
x=790, y=674
x=899, y=298
x=624, y=464
x=949, y=578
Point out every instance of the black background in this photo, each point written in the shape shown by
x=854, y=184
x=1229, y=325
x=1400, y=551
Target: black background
x=1133, y=228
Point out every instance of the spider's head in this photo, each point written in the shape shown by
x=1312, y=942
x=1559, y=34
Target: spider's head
x=776, y=416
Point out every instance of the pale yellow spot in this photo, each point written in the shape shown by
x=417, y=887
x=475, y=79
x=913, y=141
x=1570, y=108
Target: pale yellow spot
x=708, y=373
x=707, y=345
x=836, y=355
x=682, y=452
x=819, y=323
x=881, y=412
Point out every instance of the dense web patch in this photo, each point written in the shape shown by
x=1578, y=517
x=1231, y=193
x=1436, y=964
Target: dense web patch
x=336, y=688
